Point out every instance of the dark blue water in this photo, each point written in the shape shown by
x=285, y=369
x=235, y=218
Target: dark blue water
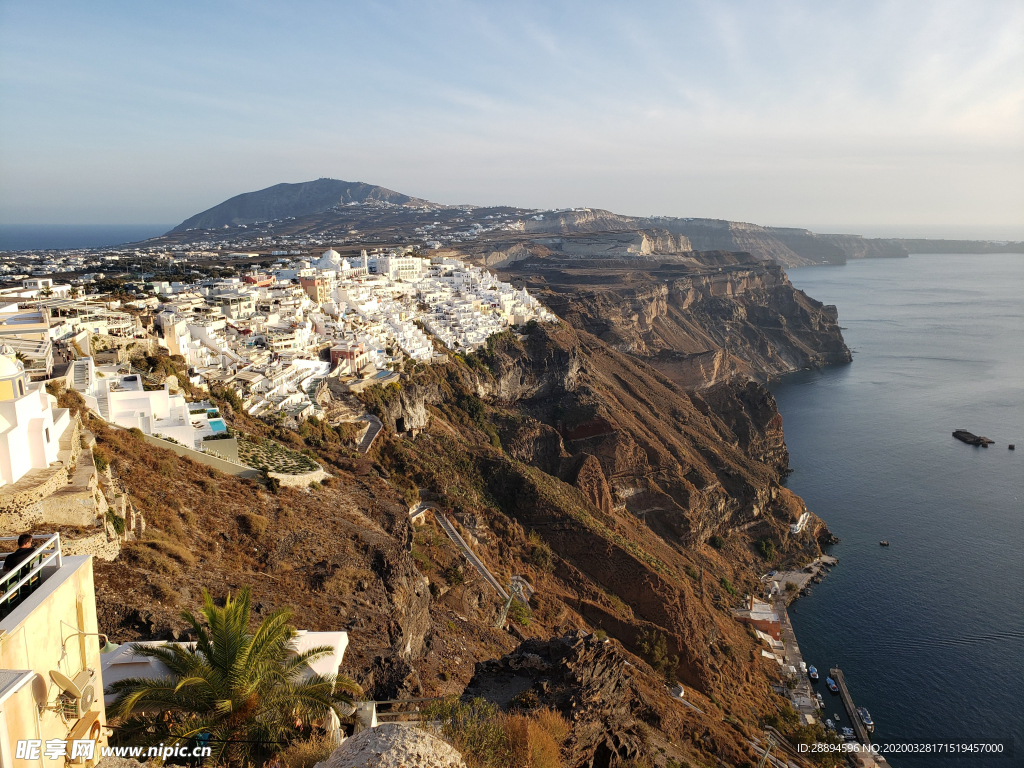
x=25, y=237
x=930, y=630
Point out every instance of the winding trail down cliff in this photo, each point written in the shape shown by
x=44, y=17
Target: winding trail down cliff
x=460, y=542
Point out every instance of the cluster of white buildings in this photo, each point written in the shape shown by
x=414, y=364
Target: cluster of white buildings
x=271, y=336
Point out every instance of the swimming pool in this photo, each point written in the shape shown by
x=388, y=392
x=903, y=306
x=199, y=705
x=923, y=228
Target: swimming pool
x=218, y=425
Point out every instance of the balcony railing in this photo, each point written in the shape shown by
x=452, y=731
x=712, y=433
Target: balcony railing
x=18, y=584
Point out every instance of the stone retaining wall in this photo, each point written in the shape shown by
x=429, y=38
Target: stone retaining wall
x=238, y=470
x=300, y=481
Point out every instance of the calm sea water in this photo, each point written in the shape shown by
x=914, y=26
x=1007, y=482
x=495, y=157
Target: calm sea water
x=930, y=630
x=18, y=237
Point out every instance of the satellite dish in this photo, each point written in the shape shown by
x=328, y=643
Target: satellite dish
x=66, y=684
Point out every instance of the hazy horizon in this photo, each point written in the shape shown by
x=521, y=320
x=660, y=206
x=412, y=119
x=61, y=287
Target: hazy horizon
x=909, y=115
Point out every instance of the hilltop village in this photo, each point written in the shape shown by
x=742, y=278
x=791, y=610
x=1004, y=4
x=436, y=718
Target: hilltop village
x=271, y=336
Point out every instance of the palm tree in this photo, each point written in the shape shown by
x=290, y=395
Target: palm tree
x=245, y=690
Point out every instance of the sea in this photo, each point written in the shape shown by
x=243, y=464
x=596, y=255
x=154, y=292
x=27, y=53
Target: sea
x=28, y=237
x=929, y=631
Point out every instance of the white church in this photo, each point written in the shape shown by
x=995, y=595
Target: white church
x=30, y=423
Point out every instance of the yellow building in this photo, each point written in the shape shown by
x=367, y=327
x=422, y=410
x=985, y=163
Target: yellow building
x=51, y=689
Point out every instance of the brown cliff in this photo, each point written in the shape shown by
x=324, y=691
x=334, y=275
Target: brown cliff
x=698, y=321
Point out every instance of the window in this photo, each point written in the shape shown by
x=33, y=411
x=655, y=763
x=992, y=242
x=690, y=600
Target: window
x=21, y=387
x=47, y=430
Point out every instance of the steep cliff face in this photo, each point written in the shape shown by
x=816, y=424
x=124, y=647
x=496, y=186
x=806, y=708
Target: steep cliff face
x=697, y=322
x=624, y=476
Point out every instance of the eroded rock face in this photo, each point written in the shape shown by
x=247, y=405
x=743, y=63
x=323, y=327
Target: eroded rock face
x=750, y=412
x=394, y=746
x=704, y=315
x=587, y=680
x=612, y=704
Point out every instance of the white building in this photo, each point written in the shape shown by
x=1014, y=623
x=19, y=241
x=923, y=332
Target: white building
x=124, y=401
x=30, y=425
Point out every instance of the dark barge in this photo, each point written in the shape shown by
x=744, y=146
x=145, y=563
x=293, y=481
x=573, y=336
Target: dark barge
x=971, y=439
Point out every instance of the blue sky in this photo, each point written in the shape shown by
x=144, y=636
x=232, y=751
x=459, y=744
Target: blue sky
x=862, y=116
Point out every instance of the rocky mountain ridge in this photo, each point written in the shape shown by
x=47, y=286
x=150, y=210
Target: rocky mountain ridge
x=333, y=208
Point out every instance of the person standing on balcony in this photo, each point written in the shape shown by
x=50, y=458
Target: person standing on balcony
x=21, y=554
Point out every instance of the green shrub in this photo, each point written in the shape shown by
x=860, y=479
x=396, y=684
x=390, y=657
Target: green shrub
x=474, y=729
x=116, y=521
x=653, y=646
x=727, y=585
x=541, y=555
x=766, y=548
x=519, y=613
x=100, y=459
x=527, y=699
x=454, y=575
x=716, y=541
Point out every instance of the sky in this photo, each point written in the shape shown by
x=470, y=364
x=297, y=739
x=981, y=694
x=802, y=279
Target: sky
x=898, y=118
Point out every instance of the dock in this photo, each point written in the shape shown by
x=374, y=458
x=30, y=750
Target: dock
x=851, y=710
x=802, y=694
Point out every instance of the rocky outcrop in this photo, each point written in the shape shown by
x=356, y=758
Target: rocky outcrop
x=750, y=413
x=588, y=476
x=613, y=703
x=392, y=745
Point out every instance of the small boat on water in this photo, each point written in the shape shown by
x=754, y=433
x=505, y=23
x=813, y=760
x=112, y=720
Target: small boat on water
x=971, y=439
x=821, y=701
x=884, y=543
x=848, y=734
x=831, y=685
x=830, y=725
x=865, y=717
x=812, y=673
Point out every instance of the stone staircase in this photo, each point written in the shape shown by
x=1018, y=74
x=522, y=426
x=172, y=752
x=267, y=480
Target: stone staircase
x=103, y=401
x=81, y=375
x=371, y=434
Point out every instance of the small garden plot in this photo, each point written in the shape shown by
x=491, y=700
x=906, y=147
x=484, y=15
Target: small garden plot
x=261, y=453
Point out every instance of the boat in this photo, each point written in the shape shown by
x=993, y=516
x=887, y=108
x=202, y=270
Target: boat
x=821, y=701
x=848, y=734
x=971, y=439
x=812, y=673
x=831, y=685
x=830, y=725
x=884, y=542
x=865, y=717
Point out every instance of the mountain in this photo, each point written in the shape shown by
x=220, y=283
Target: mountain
x=291, y=200
x=333, y=209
